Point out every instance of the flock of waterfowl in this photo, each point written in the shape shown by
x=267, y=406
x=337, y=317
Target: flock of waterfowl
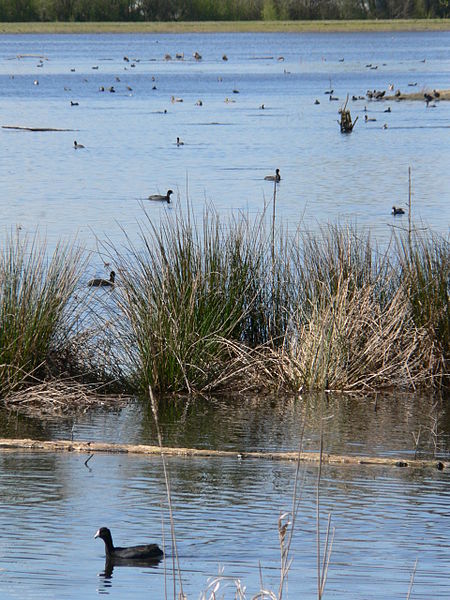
x=372, y=95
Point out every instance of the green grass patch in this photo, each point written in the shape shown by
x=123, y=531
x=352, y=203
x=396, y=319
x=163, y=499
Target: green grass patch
x=228, y=26
x=36, y=313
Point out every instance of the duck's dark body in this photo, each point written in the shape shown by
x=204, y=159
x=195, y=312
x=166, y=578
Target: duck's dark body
x=138, y=553
x=103, y=282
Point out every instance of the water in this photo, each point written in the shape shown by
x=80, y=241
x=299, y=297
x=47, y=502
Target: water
x=130, y=152
x=225, y=510
x=226, y=515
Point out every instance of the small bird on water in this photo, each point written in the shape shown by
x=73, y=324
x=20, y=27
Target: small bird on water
x=276, y=177
x=160, y=198
x=397, y=211
x=103, y=282
x=76, y=145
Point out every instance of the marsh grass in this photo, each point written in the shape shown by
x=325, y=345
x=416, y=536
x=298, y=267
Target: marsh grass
x=210, y=305
x=188, y=289
x=425, y=279
x=37, y=314
x=204, y=305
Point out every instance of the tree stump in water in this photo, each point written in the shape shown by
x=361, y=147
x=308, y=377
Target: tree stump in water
x=346, y=122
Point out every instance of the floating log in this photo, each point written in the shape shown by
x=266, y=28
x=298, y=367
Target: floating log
x=311, y=457
x=22, y=128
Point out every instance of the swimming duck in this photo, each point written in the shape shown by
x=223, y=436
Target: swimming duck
x=397, y=211
x=179, y=142
x=160, y=198
x=143, y=552
x=76, y=145
x=276, y=177
x=103, y=282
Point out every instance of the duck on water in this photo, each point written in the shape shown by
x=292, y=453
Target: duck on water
x=103, y=282
x=139, y=553
x=160, y=198
x=397, y=211
x=276, y=177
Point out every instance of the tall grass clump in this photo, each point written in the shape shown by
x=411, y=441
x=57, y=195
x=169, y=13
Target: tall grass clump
x=352, y=326
x=206, y=304
x=425, y=278
x=188, y=290
x=35, y=318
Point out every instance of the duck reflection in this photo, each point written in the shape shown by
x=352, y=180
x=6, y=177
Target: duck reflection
x=111, y=563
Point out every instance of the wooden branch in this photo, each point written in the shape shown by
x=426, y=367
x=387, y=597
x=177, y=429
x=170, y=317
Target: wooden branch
x=103, y=447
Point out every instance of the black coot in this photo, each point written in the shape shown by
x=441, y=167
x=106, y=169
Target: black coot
x=139, y=553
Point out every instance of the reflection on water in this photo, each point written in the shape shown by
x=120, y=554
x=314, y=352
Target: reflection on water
x=403, y=425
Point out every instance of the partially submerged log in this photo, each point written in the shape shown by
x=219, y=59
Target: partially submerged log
x=346, y=122
x=22, y=128
x=311, y=457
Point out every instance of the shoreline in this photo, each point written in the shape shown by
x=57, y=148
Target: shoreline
x=357, y=26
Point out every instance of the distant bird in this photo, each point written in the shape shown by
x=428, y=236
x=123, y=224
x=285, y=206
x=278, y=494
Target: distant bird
x=95, y=68
x=316, y=101
x=367, y=119
x=179, y=142
x=76, y=145
x=225, y=57
x=397, y=211
x=388, y=109
x=103, y=282
x=173, y=99
x=199, y=103
x=160, y=198
x=197, y=56
x=436, y=94
x=262, y=107
x=276, y=177
x=36, y=82
x=138, y=553
x=126, y=59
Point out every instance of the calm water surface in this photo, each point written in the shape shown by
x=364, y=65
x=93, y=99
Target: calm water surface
x=229, y=147
x=225, y=510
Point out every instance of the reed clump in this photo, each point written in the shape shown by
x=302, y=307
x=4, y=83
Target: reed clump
x=211, y=306
x=37, y=312
x=207, y=305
